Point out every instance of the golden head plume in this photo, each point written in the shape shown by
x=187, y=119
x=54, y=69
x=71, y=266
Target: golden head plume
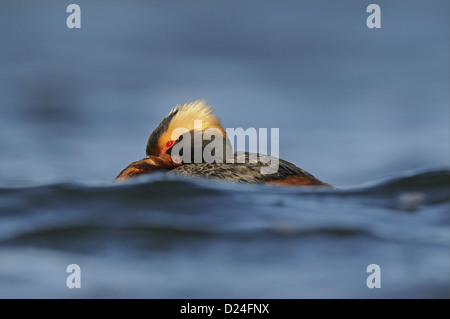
x=182, y=116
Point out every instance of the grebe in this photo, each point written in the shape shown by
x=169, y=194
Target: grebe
x=231, y=166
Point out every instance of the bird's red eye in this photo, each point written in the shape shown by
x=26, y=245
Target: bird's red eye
x=169, y=144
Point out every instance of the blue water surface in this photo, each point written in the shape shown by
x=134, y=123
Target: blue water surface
x=366, y=110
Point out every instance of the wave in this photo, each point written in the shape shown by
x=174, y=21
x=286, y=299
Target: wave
x=434, y=185
x=168, y=209
x=414, y=178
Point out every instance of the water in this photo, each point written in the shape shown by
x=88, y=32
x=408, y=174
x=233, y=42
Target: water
x=220, y=240
x=365, y=110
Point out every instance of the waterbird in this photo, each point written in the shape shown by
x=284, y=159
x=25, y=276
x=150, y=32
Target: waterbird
x=178, y=146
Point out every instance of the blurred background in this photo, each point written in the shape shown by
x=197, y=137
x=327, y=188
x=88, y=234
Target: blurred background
x=353, y=104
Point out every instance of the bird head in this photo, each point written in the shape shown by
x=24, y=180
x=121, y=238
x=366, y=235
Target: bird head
x=188, y=119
